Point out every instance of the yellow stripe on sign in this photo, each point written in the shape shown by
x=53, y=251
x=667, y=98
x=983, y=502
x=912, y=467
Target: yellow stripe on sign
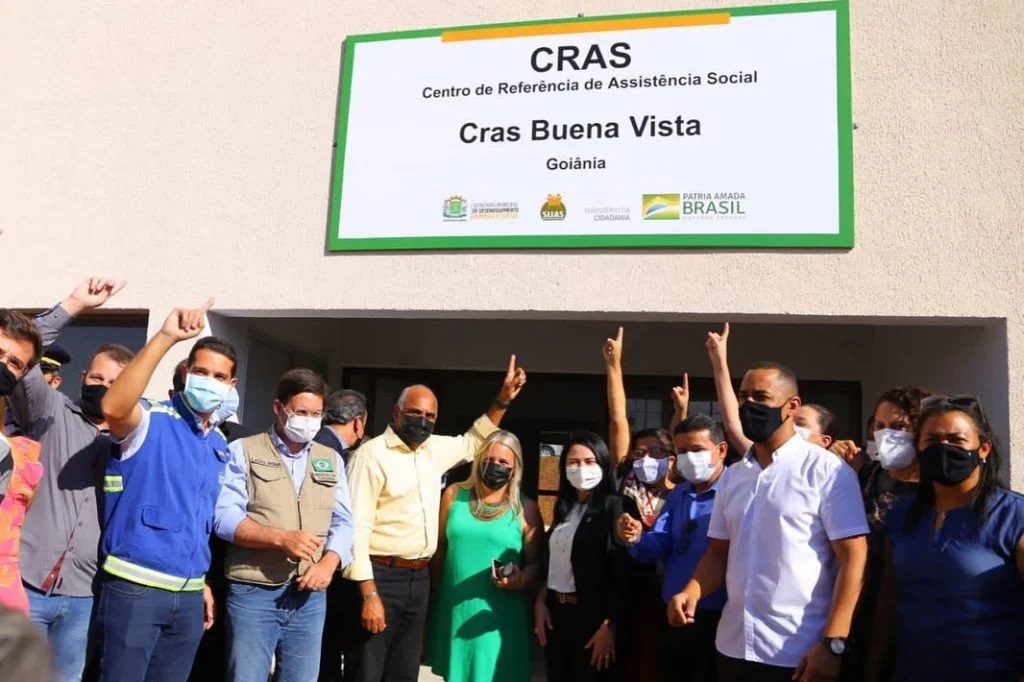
x=598, y=26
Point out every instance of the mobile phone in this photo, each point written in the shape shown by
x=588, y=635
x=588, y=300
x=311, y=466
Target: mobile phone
x=496, y=567
x=501, y=570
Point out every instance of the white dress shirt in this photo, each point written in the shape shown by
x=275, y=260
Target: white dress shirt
x=560, y=577
x=779, y=522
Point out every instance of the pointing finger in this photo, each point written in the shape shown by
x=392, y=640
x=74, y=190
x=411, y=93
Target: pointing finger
x=618, y=337
x=686, y=382
x=205, y=308
x=725, y=330
x=512, y=363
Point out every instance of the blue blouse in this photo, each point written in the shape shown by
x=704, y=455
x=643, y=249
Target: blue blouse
x=959, y=593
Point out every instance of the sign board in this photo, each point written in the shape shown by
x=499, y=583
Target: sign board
x=724, y=128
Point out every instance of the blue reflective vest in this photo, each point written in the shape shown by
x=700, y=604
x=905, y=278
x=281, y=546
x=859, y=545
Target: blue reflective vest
x=159, y=503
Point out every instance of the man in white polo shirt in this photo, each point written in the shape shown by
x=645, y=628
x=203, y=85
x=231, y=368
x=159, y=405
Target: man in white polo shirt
x=787, y=538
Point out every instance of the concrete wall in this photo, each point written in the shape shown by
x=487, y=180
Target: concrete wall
x=187, y=147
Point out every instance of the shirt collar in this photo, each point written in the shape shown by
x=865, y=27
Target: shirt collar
x=190, y=415
x=692, y=489
x=332, y=434
x=283, y=449
x=793, y=444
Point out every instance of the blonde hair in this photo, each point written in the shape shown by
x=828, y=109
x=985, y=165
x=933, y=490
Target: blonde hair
x=509, y=440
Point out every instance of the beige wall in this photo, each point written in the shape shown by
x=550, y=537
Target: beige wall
x=187, y=147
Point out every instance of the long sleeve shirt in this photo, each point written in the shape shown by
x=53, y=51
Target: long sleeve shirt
x=396, y=496
x=234, y=497
x=61, y=535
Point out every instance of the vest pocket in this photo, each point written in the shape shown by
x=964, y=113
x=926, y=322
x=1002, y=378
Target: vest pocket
x=325, y=485
x=267, y=473
x=161, y=519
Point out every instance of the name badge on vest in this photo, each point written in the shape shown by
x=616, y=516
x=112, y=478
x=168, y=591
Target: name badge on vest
x=323, y=470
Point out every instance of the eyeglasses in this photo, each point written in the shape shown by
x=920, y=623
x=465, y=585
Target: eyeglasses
x=306, y=413
x=656, y=453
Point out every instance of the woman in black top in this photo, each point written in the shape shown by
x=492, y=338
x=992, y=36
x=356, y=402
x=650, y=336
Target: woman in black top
x=585, y=595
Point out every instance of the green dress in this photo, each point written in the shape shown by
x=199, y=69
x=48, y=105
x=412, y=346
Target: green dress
x=476, y=632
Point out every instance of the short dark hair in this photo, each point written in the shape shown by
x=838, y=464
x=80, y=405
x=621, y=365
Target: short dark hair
x=301, y=380
x=216, y=345
x=341, y=407
x=117, y=352
x=785, y=373
x=178, y=379
x=701, y=422
x=826, y=419
x=907, y=400
x=22, y=328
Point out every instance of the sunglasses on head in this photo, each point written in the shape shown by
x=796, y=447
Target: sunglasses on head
x=964, y=402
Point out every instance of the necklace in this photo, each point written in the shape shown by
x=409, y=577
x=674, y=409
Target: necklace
x=484, y=511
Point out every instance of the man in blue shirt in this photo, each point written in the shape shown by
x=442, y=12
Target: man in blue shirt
x=285, y=509
x=678, y=539
x=160, y=490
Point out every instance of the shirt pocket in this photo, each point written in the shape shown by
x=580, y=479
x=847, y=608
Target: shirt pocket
x=161, y=518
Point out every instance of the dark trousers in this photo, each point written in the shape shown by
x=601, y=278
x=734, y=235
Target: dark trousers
x=688, y=653
x=343, y=628
x=565, y=654
x=735, y=670
x=393, y=655
x=148, y=634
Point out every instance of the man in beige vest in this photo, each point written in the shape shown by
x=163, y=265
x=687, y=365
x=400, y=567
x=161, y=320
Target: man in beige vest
x=285, y=509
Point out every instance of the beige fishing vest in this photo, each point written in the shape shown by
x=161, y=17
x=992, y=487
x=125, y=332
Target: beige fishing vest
x=273, y=503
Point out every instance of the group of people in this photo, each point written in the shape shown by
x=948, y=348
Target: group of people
x=163, y=540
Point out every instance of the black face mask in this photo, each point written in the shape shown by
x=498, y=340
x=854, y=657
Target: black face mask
x=759, y=421
x=414, y=430
x=495, y=476
x=91, y=401
x=947, y=464
x=7, y=381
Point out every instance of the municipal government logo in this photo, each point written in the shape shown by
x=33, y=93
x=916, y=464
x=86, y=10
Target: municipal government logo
x=455, y=208
x=660, y=207
x=553, y=208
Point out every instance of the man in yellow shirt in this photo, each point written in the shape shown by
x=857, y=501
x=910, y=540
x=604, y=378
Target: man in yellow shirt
x=395, y=485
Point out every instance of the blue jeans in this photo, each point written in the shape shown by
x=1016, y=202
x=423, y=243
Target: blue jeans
x=282, y=619
x=149, y=634
x=65, y=622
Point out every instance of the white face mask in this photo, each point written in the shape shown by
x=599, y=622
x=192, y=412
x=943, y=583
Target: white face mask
x=649, y=470
x=584, y=477
x=893, y=449
x=803, y=432
x=301, y=429
x=696, y=467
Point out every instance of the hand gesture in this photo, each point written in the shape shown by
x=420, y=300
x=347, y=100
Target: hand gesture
x=515, y=379
x=629, y=529
x=299, y=544
x=681, y=398
x=184, y=324
x=819, y=665
x=613, y=350
x=95, y=291
x=602, y=648
x=681, y=609
x=542, y=622
x=717, y=345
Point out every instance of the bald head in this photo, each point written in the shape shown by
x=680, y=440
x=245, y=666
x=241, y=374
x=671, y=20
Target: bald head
x=415, y=394
x=415, y=414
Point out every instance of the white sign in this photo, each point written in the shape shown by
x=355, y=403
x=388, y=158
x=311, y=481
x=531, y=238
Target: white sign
x=723, y=128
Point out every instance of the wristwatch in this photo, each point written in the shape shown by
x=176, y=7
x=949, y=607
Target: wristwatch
x=836, y=645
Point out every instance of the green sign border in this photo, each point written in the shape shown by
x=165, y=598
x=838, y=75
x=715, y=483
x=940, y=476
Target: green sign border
x=842, y=240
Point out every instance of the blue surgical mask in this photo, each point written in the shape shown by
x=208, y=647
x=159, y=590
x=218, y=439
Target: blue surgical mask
x=229, y=406
x=205, y=394
x=650, y=470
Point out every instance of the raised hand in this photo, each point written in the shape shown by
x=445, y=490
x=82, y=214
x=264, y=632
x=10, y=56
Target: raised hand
x=515, y=379
x=92, y=293
x=613, y=350
x=184, y=323
x=681, y=397
x=717, y=344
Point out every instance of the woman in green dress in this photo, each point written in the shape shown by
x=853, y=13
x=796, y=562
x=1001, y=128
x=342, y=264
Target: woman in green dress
x=487, y=562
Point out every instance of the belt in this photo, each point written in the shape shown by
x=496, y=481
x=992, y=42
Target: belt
x=564, y=597
x=395, y=562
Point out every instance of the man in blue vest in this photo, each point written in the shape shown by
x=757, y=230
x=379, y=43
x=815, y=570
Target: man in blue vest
x=160, y=490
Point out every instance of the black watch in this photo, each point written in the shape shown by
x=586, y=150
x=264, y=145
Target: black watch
x=502, y=404
x=836, y=645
